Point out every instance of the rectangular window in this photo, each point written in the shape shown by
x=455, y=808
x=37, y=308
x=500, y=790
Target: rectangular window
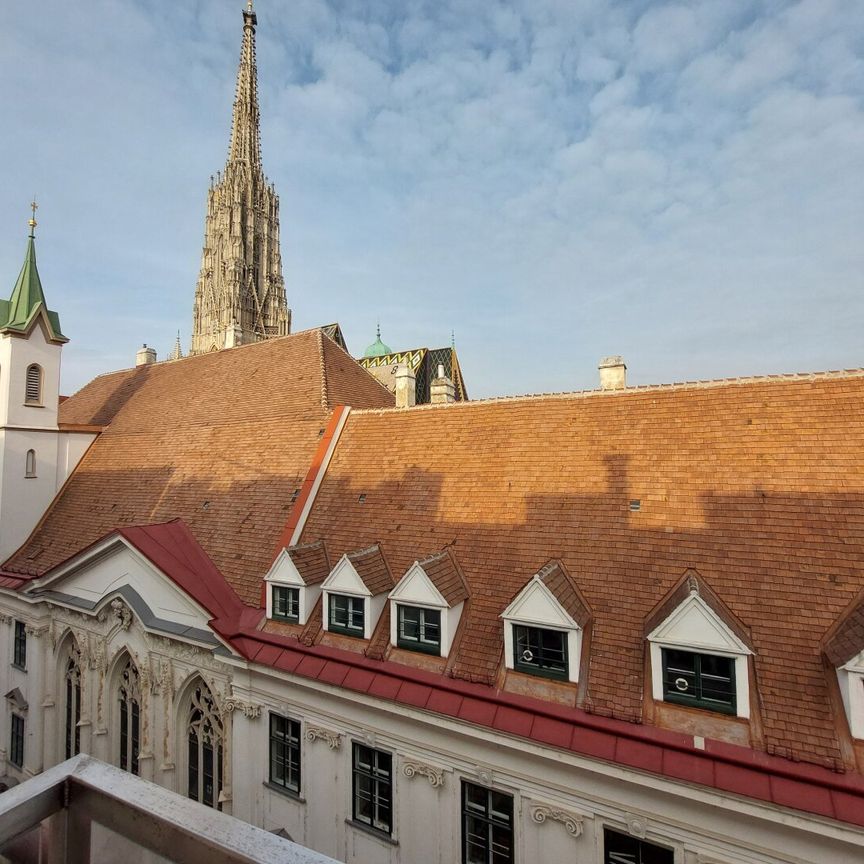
x=346, y=614
x=540, y=652
x=487, y=825
x=19, y=652
x=419, y=629
x=286, y=603
x=373, y=788
x=285, y=752
x=701, y=680
x=16, y=744
x=623, y=849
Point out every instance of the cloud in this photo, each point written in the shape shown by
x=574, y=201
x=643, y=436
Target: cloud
x=678, y=182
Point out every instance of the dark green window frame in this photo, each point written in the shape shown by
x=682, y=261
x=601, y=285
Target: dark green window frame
x=487, y=825
x=19, y=651
x=372, y=788
x=418, y=629
x=346, y=614
x=16, y=741
x=285, y=752
x=700, y=680
x=621, y=848
x=540, y=651
x=286, y=603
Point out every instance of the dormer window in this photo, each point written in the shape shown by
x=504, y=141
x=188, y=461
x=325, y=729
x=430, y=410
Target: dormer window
x=544, y=626
x=698, y=652
x=33, y=385
x=418, y=629
x=700, y=680
x=293, y=583
x=844, y=649
x=346, y=614
x=355, y=593
x=286, y=603
x=426, y=605
x=540, y=651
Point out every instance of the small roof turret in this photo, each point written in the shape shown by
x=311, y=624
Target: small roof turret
x=18, y=313
x=377, y=348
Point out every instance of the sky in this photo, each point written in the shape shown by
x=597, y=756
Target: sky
x=553, y=181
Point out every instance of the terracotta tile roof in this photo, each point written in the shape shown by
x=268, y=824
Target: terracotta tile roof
x=758, y=485
x=556, y=578
x=372, y=570
x=846, y=639
x=311, y=562
x=444, y=574
x=220, y=440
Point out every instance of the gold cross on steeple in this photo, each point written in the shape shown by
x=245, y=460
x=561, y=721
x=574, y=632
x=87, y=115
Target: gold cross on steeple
x=32, y=223
x=249, y=6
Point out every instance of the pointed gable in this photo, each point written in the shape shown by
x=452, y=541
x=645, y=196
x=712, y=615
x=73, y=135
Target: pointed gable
x=434, y=581
x=692, y=616
x=550, y=599
x=300, y=565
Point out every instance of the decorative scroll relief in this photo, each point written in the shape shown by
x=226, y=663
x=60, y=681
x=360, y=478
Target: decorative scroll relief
x=434, y=775
x=316, y=733
x=249, y=709
x=573, y=822
x=122, y=613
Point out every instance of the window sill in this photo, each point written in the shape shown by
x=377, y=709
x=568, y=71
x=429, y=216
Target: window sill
x=284, y=619
x=419, y=648
x=33, y=405
x=372, y=832
x=284, y=792
x=338, y=631
x=19, y=668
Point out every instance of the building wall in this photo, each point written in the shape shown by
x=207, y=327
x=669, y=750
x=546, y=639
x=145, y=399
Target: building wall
x=431, y=756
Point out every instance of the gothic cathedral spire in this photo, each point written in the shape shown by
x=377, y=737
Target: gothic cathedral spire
x=240, y=296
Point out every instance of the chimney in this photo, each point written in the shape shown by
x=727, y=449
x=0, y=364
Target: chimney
x=613, y=373
x=406, y=387
x=442, y=388
x=145, y=356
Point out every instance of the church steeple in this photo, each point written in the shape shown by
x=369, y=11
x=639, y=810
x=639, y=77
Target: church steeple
x=245, y=129
x=240, y=296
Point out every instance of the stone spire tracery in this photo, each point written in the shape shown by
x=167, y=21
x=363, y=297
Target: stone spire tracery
x=240, y=296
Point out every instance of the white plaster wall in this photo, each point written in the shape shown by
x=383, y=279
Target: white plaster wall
x=71, y=447
x=427, y=820
x=16, y=354
x=23, y=499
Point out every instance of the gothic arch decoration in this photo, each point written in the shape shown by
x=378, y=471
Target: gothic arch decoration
x=205, y=742
x=128, y=696
x=71, y=670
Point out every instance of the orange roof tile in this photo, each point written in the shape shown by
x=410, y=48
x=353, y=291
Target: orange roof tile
x=444, y=574
x=758, y=485
x=311, y=562
x=372, y=569
x=220, y=440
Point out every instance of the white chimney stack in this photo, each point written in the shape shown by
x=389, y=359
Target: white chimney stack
x=613, y=373
x=406, y=387
x=145, y=356
x=442, y=388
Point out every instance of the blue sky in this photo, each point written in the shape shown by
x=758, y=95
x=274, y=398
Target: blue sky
x=555, y=180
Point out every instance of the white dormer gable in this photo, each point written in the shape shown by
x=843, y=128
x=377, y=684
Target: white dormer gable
x=851, y=678
x=415, y=588
x=284, y=571
x=344, y=579
x=695, y=627
x=537, y=606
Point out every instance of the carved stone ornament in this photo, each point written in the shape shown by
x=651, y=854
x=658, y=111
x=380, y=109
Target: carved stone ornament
x=484, y=775
x=122, y=613
x=36, y=632
x=637, y=826
x=316, y=733
x=249, y=709
x=434, y=775
x=5, y=619
x=571, y=821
